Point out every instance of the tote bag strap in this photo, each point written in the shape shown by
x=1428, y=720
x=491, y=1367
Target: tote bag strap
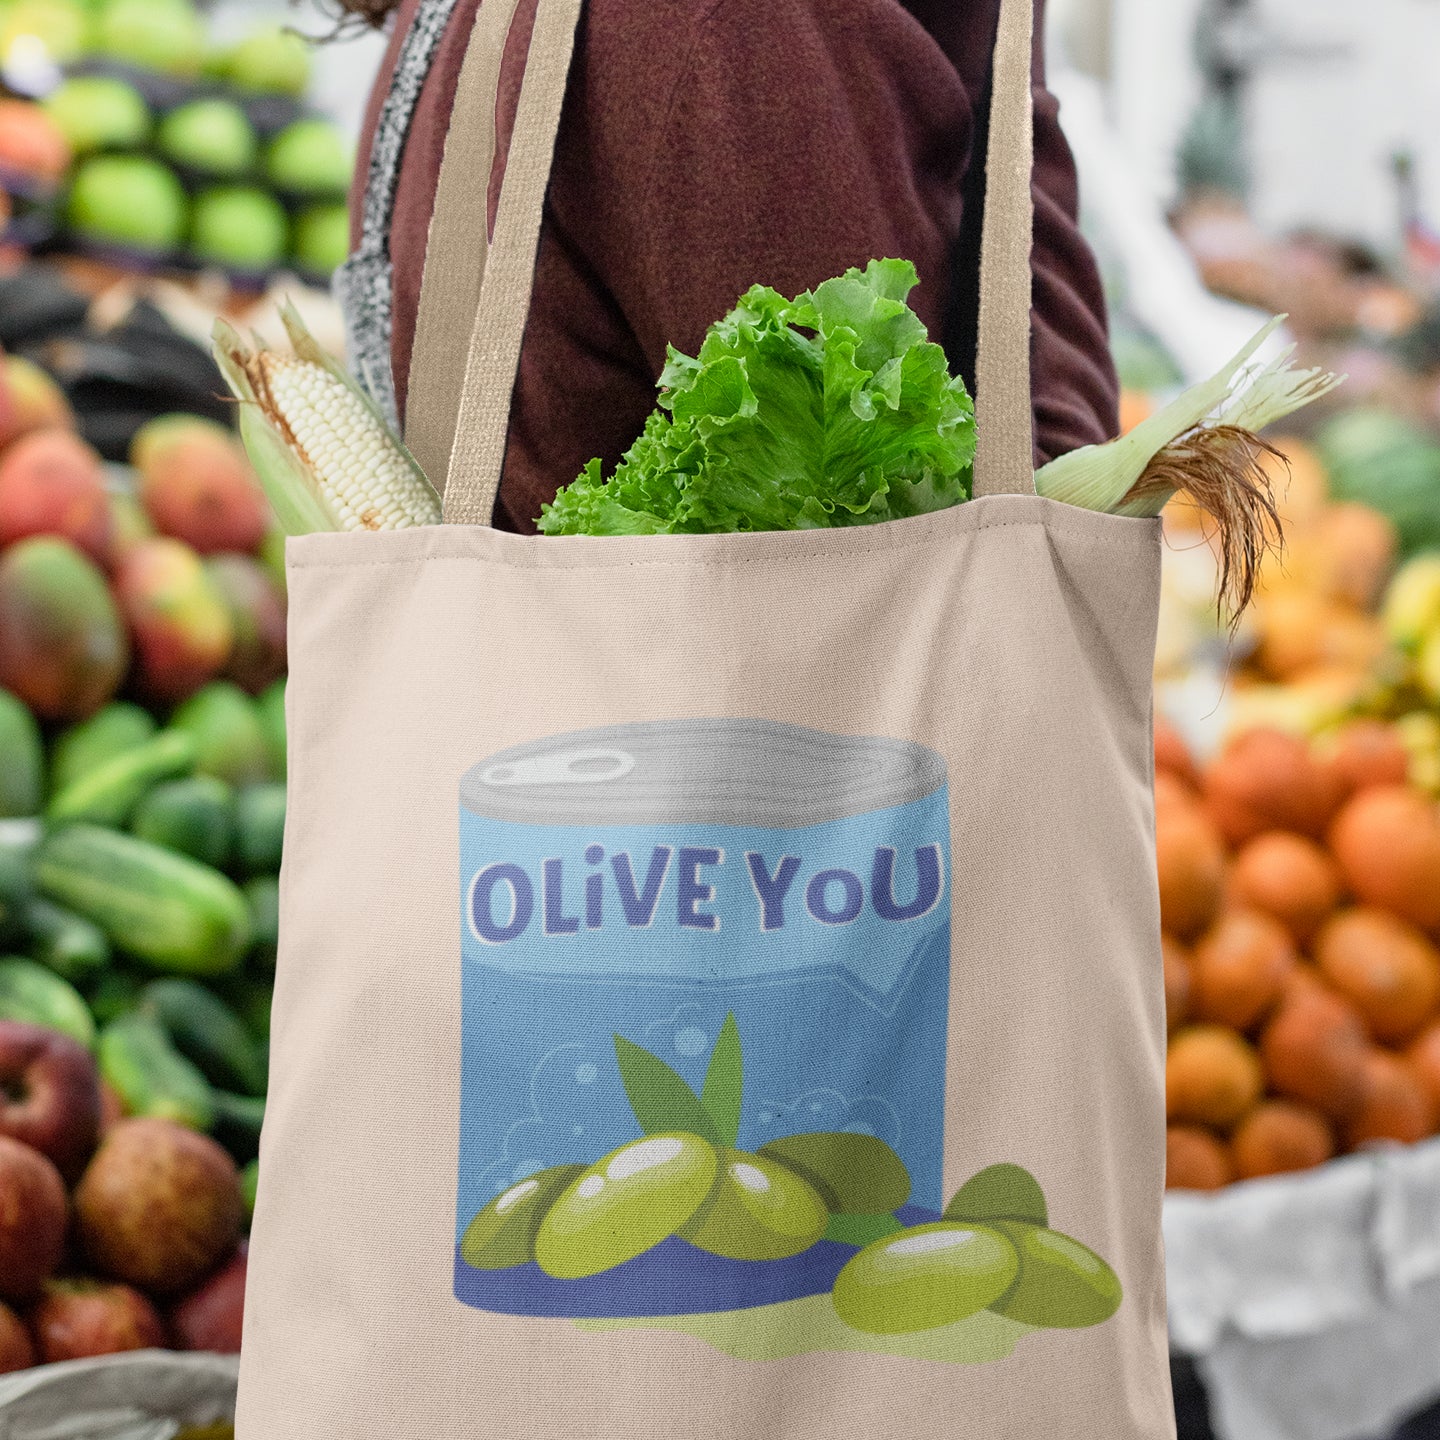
x=1004, y=463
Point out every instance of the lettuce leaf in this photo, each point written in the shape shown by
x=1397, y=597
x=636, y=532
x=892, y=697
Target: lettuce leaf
x=830, y=409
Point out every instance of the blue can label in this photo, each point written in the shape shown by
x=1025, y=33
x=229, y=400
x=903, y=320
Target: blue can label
x=704, y=1060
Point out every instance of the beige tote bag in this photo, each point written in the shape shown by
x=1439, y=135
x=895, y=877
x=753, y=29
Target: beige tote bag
x=720, y=987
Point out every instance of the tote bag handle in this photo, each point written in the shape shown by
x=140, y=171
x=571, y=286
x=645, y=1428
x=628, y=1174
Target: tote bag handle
x=501, y=275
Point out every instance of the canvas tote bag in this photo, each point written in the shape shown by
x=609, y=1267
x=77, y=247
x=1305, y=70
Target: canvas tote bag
x=720, y=990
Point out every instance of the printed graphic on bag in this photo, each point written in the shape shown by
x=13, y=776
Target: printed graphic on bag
x=706, y=987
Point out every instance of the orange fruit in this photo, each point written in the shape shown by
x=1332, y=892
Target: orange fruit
x=1268, y=780
x=1195, y=1160
x=1288, y=877
x=1387, y=968
x=1394, y=1104
x=1365, y=753
x=1191, y=864
x=1173, y=754
x=1212, y=1077
x=1279, y=1136
x=1423, y=1057
x=1357, y=547
x=1314, y=1049
x=1239, y=968
x=1171, y=790
x=1178, y=982
x=1387, y=843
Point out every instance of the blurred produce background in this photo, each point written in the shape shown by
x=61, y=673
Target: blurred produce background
x=163, y=162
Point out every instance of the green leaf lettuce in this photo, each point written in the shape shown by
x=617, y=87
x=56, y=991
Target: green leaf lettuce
x=830, y=409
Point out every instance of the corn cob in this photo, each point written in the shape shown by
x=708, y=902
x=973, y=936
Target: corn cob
x=326, y=457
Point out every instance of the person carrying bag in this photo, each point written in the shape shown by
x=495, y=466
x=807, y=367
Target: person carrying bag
x=719, y=990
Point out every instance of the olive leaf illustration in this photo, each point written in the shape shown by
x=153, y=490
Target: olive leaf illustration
x=661, y=1100
x=725, y=1082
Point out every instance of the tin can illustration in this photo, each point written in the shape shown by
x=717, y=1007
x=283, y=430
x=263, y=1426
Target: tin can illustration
x=705, y=996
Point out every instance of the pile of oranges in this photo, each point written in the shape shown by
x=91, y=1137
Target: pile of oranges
x=1300, y=900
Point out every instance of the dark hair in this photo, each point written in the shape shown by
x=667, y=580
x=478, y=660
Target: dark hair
x=367, y=12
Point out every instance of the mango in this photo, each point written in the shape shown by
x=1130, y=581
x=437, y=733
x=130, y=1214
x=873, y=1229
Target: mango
x=502, y=1234
x=759, y=1210
x=257, y=616
x=925, y=1277
x=63, y=648
x=227, y=730
x=855, y=1174
x=1061, y=1284
x=197, y=485
x=53, y=483
x=129, y=525
x=179, y=619
x=36, y=401
x=626, y=1204
x=1000, y=1192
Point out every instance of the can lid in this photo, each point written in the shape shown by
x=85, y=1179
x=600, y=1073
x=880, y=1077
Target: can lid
x=722, y=772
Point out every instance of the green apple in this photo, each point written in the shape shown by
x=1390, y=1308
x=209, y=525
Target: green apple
x=240, y=226
x=272, y=61
x=128, y=200
x=97, y=112
x=310, y=157
x=212, y=136
x=322, y=237
x=163, y=35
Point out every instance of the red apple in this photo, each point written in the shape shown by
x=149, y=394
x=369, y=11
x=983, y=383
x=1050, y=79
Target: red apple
x=32, y=1219
x=210, y=1318
x=49, y=1094
x=16, y=1351
x=159, y=1206
x=76, y=1319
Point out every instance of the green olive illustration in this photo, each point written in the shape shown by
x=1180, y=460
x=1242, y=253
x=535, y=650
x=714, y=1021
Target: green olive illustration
x=925, y=1277
x=855, y=1174
x=625, y=1204
x=502, y=1234
x=1000, y=1192
x=1061, y=1284
x=760, y=1210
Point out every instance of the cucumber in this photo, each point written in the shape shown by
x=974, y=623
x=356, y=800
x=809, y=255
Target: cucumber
x=250, y=997
x=238, y=1120
x=69, y=944
x=263, y=893
x=229, y=738
x=36, y=996
x=150, y=1076
x=249, y=1184
x=270, y=705
x=115, y=993
x=17, y=890
x=195, y=817
x=161, y=907
x=119, y=727
x=260, y=829
x=207, y=1032
x=22, y=759
x=108, y=794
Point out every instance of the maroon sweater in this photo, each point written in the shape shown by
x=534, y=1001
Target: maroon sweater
x=707, y=145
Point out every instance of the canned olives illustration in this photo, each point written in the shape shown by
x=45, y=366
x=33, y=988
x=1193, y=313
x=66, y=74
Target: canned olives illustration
x=706, y=982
